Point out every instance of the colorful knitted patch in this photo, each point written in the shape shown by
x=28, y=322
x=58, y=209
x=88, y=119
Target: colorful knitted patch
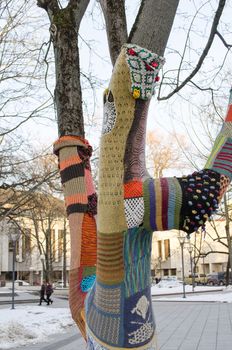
x=137, y=252
x=103, y=315
x=200, y=198
x=182, y=203
x=134, y=203
x=144, y=67
x=220, y=158
x=163, y=201
x=74, y=164
x=110, y=265
x=139, y=325
x=222, y=161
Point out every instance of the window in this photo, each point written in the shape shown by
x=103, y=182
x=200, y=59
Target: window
x=160, y=249
x=26, y=242
x=11, y=246
x=60, y=244
x=53, y=243
x=167, y=248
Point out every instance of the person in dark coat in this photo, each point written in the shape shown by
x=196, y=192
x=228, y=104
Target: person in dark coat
x=49, y=291
x=42, y=293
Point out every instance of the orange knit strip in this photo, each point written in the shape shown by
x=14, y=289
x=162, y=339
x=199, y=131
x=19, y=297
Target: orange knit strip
x=88, y=241
x=70, y=161
x=71, y=138
x=229, y=114
x=76, y=198
x=133, y=189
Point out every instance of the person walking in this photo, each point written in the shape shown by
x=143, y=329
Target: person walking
x=49, y=291
x=42, y=293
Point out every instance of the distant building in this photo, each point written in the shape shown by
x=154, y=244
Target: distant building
x=40, y=237
x=166, y=252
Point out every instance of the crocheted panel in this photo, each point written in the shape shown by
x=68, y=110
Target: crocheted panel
x=137, y=251
x=139, y=325
x=134, y=160
x=111, y=216
x=224, y=184
x=144, y=67
x=109, y=113
x=88, y=241
x=200, y=198
x=100, y=324
x=163, y=201
x=222, y=162
x=93, y=345
x=134, y=211
x=110, y=264
x=108, y=299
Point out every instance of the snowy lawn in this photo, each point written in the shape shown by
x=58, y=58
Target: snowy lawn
x=31, y=324
x=163, y=292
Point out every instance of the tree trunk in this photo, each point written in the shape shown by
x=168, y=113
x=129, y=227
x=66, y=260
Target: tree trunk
x=68, y=96
x=65, y=254
x=153, y=24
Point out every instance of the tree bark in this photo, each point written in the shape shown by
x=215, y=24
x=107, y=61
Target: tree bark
x=64, y=33
x=153, y=24
x=116, y=27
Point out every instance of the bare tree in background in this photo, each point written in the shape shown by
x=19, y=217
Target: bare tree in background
x=164, y=153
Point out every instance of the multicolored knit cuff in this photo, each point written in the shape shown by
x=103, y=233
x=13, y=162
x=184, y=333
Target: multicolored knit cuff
x=144, y=67
x=220, y=159
x=74, y=163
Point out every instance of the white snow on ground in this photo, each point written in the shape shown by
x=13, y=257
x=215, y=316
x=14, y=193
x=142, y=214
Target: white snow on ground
x=219, y=294
x=31, y=324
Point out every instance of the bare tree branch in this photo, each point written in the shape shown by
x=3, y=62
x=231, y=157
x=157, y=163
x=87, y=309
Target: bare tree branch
x=213, y=32
x=228, y=46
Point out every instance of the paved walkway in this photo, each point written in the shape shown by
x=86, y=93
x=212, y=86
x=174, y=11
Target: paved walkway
x=180, y=326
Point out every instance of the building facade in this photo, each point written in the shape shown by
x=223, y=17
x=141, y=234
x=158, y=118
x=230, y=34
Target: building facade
x=34, y=246
x=209, y=252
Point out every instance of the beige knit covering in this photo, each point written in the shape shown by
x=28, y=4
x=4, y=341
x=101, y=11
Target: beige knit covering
x=111, y=169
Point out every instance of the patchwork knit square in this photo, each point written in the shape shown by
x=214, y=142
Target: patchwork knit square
x=139, y=323
x=144, y=67
x=99, y=324
x=104, y=294
x=109, y=117
x=134, y=211
x=200, y=198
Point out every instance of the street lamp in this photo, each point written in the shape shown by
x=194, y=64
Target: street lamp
x=181, y=239
x=14, y=234
x=190, y=250
x=160, y=261
x=42, y=258
x=203, y=255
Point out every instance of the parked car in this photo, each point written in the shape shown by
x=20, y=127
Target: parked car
x=21, y=283
x=169, y=282
x=216, y=279
x=198, y=278
x=59, y=284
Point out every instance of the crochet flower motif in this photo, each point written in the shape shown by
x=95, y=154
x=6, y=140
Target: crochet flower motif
x=144, y=67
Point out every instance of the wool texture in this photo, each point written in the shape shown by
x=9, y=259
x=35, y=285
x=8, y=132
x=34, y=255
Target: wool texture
x=117, y=312
x=132, y=205
x=81, y=204
x=119, y=307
